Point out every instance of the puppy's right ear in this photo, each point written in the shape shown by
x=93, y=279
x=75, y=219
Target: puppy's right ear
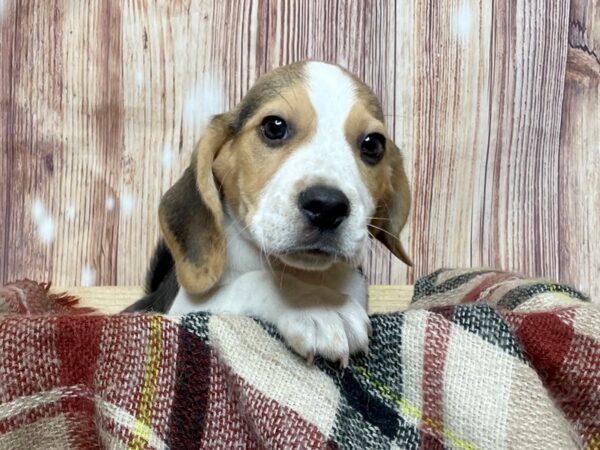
x=191, y=215
x=394, y=208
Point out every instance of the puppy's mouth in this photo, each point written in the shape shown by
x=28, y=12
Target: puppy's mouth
x=311, y=258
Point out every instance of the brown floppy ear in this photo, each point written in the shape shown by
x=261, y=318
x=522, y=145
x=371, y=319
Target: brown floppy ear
x=191, y=215
x=392, y=212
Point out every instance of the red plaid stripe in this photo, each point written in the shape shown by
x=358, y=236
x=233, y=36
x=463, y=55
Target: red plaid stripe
x=77, y=344
x=437, y=337
x=29, y=362
x=569, y=365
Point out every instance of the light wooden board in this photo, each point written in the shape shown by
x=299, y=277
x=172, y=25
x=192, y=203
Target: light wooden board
x=113, y=299
x=495, y=106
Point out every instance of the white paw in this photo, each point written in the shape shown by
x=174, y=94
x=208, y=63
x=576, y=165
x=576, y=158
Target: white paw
x=334, y=334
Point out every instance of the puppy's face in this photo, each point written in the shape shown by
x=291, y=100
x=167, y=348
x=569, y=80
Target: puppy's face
x=306, y=166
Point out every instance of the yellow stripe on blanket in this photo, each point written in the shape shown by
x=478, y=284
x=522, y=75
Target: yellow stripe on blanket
x=412, y=410
x=141, y=429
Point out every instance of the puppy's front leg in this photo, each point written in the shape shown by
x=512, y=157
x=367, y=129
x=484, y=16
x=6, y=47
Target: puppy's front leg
x=313, y=319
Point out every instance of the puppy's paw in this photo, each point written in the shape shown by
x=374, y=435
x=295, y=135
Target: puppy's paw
x=334, y=334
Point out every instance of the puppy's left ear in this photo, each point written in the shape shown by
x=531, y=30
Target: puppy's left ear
x=392, y=212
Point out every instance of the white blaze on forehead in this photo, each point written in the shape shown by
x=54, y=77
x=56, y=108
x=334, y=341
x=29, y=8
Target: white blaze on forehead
x=332, y=94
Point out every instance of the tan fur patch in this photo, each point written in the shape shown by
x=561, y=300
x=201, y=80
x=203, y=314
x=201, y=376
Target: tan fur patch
x=359, y=123
x=386, y=180
x=246, y=164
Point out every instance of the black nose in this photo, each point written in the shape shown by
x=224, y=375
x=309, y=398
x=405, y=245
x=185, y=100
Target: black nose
x=324, y=207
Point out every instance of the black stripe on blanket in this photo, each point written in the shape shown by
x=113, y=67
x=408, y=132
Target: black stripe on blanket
x=521, y=294
x=192, y=387
x=483, y=321
x=427, y=285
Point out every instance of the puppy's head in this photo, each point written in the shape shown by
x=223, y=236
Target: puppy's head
x=307, y=168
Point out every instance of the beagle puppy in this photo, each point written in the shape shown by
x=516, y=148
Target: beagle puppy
x=276, y=211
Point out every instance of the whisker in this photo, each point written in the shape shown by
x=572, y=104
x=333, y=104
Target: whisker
x=281, y=278
x=268, y=255
x=380, y=218
x=372, y=245
x=385, y=231
x=267, y=259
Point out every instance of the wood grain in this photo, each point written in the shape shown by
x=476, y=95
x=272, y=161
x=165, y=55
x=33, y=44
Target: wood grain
x=452, y=101
x=31, y=87
x=579, y=200
x=495, y=105
x=519, y=224
x=114, y=299
x=489, y=105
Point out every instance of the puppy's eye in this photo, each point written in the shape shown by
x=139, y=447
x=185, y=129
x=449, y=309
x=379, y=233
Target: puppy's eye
x=274, y=128
x=372, y=148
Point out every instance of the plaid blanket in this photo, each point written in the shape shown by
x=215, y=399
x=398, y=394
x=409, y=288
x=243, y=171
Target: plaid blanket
x=482, y=359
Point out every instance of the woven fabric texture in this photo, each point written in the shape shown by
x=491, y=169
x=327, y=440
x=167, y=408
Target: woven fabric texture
x=481, y=359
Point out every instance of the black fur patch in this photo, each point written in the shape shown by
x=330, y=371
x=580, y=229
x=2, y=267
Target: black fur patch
x=160, y=265
x=185, y=213
x=161, y=283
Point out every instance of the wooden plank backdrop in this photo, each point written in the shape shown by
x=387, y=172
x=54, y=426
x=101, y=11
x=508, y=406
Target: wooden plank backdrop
x=495, y=104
